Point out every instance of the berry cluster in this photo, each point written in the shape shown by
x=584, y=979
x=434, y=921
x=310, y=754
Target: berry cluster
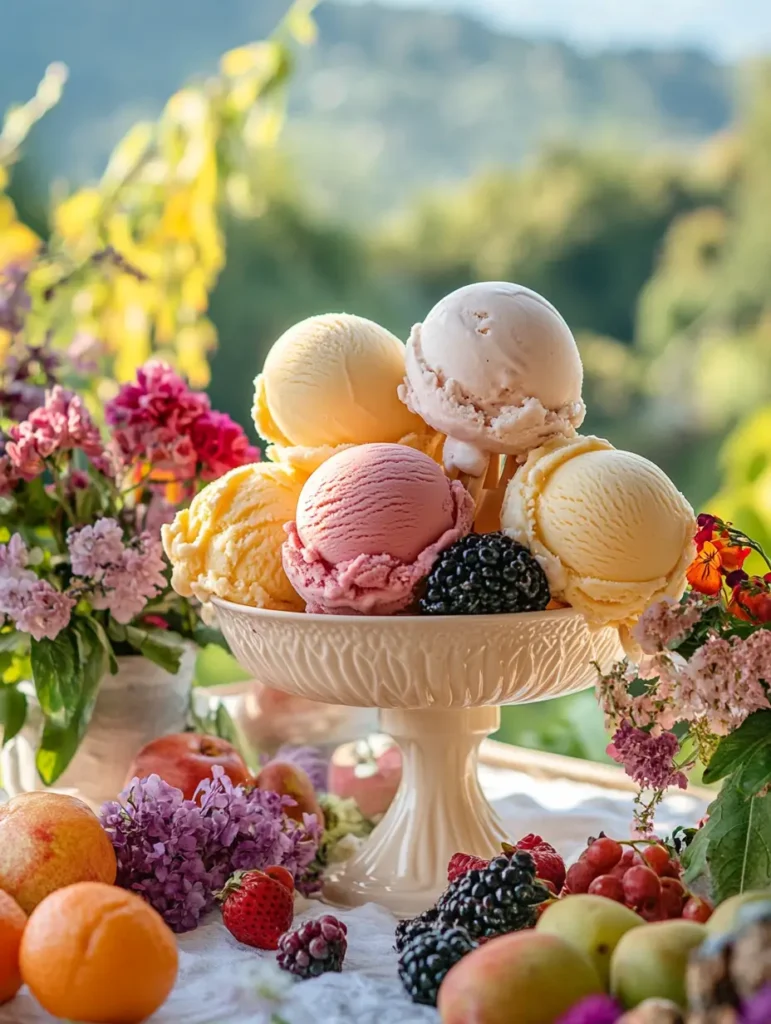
x=643, y=876
x=482, y=900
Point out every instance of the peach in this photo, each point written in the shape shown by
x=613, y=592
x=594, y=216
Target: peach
x=372, y=784
x=48, y=841
x=290, y=780
x=184, y=759
x=526, y=976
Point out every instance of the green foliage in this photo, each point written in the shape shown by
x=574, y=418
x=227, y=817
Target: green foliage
x=734, y=846
x=745, y=755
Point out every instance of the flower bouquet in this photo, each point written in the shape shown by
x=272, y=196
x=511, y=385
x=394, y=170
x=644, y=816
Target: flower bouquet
x=83, y=579
x=699, y=693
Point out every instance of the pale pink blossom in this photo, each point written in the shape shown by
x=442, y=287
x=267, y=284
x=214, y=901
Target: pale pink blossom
x=42, y=611
x=667, y=623
x=126, y=587
x=13, y=559
x=721, y=683
x=94, y=549
x=61, y=424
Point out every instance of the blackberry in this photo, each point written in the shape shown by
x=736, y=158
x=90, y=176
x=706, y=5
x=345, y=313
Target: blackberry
x=314, y=948
x=491, y=901
x=409, y=929
x=427, y=958
x=485, y=574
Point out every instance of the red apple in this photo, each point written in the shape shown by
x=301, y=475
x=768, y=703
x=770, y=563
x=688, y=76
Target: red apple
x=371, y=778
x=186, y=758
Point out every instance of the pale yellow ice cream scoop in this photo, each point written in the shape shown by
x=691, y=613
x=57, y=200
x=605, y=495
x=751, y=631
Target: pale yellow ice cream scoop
x=228, y=543
x=332, y=381
x=610, y=528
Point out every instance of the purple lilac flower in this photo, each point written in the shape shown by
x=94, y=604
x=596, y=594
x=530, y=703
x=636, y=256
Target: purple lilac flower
x=36, y=607
x=757, y=1010
x=95, y=548
x=646, y=758
x=176, y=853
x=593, y=1010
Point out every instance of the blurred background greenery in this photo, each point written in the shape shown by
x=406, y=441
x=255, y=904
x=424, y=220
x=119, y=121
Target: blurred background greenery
x=371, y=158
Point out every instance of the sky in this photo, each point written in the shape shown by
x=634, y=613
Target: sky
x=727, y=28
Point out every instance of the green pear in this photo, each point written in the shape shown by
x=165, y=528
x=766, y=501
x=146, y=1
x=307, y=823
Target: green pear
x=523, y=977
x=650, y=962
x=724, y=918
x=593, y=924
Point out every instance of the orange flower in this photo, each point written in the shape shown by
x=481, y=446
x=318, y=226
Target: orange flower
x=704, y=573
x=751, y=600
x=732, y=556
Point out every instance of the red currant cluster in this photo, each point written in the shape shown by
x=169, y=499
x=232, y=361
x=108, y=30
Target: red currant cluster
x=642, y=876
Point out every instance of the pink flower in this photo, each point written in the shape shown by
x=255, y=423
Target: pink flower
x=41, y=610
x=221, y=445
x=93, y=549
x=647, y=759
x=13, y=560
x=667, y=623
x=128, y=585
x=157, y=513
x=8, y=475
x=61, y=424
x=153, y=418
x=721, y=683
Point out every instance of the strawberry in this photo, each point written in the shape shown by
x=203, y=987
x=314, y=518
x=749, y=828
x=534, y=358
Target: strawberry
x=550, y=867
x=258, y=906
x=462, y=863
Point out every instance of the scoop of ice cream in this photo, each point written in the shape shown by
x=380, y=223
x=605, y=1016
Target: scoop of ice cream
x=370, y=523
x=228, y=543
x=332, y=380
x=611, y=530
x=304, y=461
x=495, y=367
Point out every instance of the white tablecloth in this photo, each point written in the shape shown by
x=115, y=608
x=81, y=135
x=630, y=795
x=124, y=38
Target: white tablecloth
x=219, y=979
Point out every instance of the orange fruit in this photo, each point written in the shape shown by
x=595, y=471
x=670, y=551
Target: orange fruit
x=13, y=921
x=93, y=952
x=47, y=841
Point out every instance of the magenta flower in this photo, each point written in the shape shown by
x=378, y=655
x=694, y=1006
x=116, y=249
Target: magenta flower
x=61, y=424
x=646, y=758
x=152, y=419
x=221, y=445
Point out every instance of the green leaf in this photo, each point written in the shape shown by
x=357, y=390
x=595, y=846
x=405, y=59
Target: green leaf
x=54, y=670
x=750, y=740
x=735, y=843
x=161, y=646
x=205, y=636
x=60, y=740
x=104, y=640
x=694, y=857
x=13, y=711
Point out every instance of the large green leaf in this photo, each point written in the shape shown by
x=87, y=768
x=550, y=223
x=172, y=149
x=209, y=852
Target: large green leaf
x=751, y=740
x=60, y=740
x=160, y=646
x=56, y=676
x=735, y=844
x=13, y=711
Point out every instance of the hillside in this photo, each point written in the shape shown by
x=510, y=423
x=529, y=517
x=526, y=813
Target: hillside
x=390, y=100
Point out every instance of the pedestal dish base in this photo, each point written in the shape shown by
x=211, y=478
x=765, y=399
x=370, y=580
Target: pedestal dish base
x=439, y=810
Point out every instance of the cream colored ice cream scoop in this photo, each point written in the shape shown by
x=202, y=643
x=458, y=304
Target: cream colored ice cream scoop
x=495, y=368
x=610, y=528
x=332, y=380
x=228, y=543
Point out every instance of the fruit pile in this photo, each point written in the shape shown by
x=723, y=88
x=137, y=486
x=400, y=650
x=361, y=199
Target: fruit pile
x=484, y=899
x=643, y=876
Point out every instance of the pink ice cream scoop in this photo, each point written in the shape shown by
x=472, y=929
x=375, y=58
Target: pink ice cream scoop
x=495, y=368
x=370, y=524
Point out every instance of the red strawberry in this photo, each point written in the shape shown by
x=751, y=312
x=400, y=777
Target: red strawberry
x=258, y=906
x=550, y=867
x=461, y=863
